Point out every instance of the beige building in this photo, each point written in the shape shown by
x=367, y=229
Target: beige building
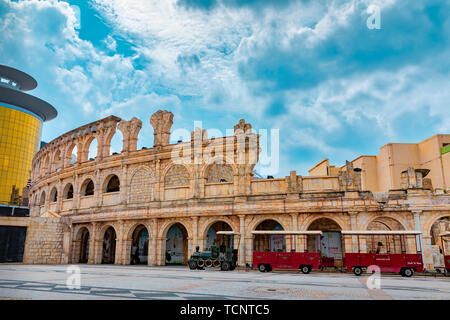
x=170, y=198
x=383, y=172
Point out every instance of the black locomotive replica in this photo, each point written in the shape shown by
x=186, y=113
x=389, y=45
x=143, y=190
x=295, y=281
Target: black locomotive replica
x=217, y=256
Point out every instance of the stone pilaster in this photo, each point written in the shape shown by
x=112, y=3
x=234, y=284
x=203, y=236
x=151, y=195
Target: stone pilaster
x=241, y=241
x=152, y=248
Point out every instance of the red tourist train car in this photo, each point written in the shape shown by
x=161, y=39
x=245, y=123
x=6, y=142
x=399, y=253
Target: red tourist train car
x=445, y=240
x=278, y=250
x=391, y=251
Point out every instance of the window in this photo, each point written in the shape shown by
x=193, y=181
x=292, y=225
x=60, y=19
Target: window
x=113, y=184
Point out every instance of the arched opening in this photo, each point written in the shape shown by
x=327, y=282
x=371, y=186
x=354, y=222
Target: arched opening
x=139, y=245
x=273, y=243
x=42, y=199
x=381, y=243
x=109, y=246
x=112, y=184
x=54, y=195
x=177, y=245
x=84, y=246
x=87, y=188
x=145, y=137
x=92, y=154
x=73, y=155
x=212, y=238
x=330, y=242
x=68, y=192
x=116, y=144
x=57, y=161
x=47, y=164
x=385, y=224
x=437, y=228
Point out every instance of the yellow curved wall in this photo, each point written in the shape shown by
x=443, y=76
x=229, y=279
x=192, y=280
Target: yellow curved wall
x=20, y=133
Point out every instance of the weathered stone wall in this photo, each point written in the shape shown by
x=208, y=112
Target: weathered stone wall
x=47, y=239
x=157, y=192
x=140, y=187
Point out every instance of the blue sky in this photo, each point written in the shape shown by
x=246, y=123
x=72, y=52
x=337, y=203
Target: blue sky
x=311, y=69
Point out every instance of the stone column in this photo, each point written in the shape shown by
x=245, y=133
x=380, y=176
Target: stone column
x=161, y=122
x=161, y=251
x=354, y=226
x=98, y=191
x=126, y=253
x=241, y=241
x=76, y=193
x=76, y=250
x=157, y=189
x=60, y=196
x=195, y=236
x=65, y=259
x=47, y=198
x=120, y=250
x=428, y=251
x=296, y=242
x=353, y=220
x=124, y=185
x=152, y=249
x=416, y=213
x=93, y=244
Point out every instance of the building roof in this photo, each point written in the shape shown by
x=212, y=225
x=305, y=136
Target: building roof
x=31, y=103
x=318, y=164
x=25, y=81
x=381, y=232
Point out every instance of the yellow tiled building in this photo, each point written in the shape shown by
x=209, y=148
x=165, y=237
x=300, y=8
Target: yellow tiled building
x=21, y=117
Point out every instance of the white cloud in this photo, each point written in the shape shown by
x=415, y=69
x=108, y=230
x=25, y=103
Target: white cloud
x=110, y=43
x=208, y=56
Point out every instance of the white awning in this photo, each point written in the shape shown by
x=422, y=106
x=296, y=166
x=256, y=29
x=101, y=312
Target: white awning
x=275, y=232
x=381, y=232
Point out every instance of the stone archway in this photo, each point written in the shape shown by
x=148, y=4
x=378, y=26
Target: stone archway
x=269, y=242
x=109, y=246
x=211, y=238
x=176, y=248
x=84, y=246
x=382, y=243
x=139, y=245
x=81, y=245
x=438, y=227
x=385, y=224
x=330, y=242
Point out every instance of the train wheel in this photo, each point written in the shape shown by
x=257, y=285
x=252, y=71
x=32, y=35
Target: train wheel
x=192, y=264
x=208, y=263
x=408, y=272
x=262, y=268
x=357, y=271
x=216, y=263
x=225, y=266
x=306, y=269
x=201, y=263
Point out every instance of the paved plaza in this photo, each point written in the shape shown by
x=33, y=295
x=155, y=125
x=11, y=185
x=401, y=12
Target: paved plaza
x=178, y=282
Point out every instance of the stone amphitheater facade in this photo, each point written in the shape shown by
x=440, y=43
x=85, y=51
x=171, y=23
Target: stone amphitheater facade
x=147, y=189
